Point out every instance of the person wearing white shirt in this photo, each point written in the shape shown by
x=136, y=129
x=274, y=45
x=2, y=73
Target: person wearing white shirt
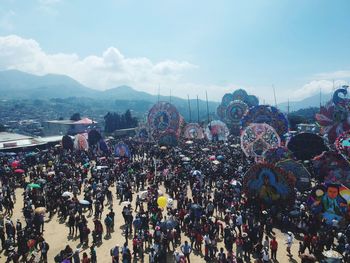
x=265, y=256
x=289, y=242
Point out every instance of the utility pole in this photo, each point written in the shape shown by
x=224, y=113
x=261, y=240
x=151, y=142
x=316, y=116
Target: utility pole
x=158, y=92
x=274, y=95
x=206, y=96
x=288, y=107
x=189, y=107
x=197, y=109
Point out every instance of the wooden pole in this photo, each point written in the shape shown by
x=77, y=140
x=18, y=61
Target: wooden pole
x=206, y=96
x=189, y=108
x=197, y=109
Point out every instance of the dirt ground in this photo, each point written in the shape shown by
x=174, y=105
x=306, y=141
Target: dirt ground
x=56, y=234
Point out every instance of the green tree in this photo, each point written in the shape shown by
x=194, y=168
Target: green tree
x=75, y=117
x=2, y=128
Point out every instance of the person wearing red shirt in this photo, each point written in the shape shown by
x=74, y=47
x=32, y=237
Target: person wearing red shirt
x=274, y=247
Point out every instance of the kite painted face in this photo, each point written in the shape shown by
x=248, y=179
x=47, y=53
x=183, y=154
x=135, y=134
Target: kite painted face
x=332, y=192
x=161, y=121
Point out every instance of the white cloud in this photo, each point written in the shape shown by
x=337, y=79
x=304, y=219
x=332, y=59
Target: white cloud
x=6, y=21
x=314, y=87
x=108, y=70
x=112, y=68
x=340, y=74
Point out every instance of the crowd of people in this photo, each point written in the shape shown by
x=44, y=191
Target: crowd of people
x=206, y=213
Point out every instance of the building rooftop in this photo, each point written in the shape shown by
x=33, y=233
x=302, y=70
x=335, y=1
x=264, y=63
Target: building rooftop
x=50, y=139
x=15, y=140
x=7, y=136
x=67, y=122
x=85, y=121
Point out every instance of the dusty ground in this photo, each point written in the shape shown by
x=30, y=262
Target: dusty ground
x=56, y=234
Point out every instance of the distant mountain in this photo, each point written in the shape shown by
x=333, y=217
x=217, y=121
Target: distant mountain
x=15, y=84
x=312, y=101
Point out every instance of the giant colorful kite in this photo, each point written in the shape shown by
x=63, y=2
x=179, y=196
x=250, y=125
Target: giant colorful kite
x=233, y=107
x=333, y=117
x=266, y=114
x=163, y=118
x=301, y=174
x=81, y=142
x=330, y=202
x=331, y=167
x=217, y=131
x=342, y=144
x=257, y=138
x=270, y=184
x=122, y=150
x=193, y=131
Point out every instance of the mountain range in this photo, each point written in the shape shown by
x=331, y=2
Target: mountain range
x=16, y=84
x=312, y=101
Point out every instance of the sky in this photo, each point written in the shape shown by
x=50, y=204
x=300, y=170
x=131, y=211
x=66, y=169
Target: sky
x=184, y=47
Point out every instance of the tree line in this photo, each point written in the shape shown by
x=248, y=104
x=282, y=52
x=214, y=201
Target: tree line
x=115, y=121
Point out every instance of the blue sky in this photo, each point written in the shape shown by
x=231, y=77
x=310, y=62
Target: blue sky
x=188, y=46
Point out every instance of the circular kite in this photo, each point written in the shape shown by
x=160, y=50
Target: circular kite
x=235, y=111
x=301, y=174
x=103, y=146
x=258, y=138
x=277, y=154
x=94, y=137
x=220, y=111
x=331, y=167
x=266, y=114
x=193, y=131
x=240, y=94
x=342, y=144
x=305, y=146
x=234, y=106
x=270, y=184
x=122, y=150
x=226, y=99
x=142, y=133
x=163, y=117
x=333, y=117
x=81, y=143
x=67, y=142
x=217, y=131
x=252, y=101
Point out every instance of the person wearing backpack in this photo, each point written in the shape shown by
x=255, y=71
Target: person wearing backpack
x=44, y=248
x=108, y=223
x=93, y=254
x=115, y=254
